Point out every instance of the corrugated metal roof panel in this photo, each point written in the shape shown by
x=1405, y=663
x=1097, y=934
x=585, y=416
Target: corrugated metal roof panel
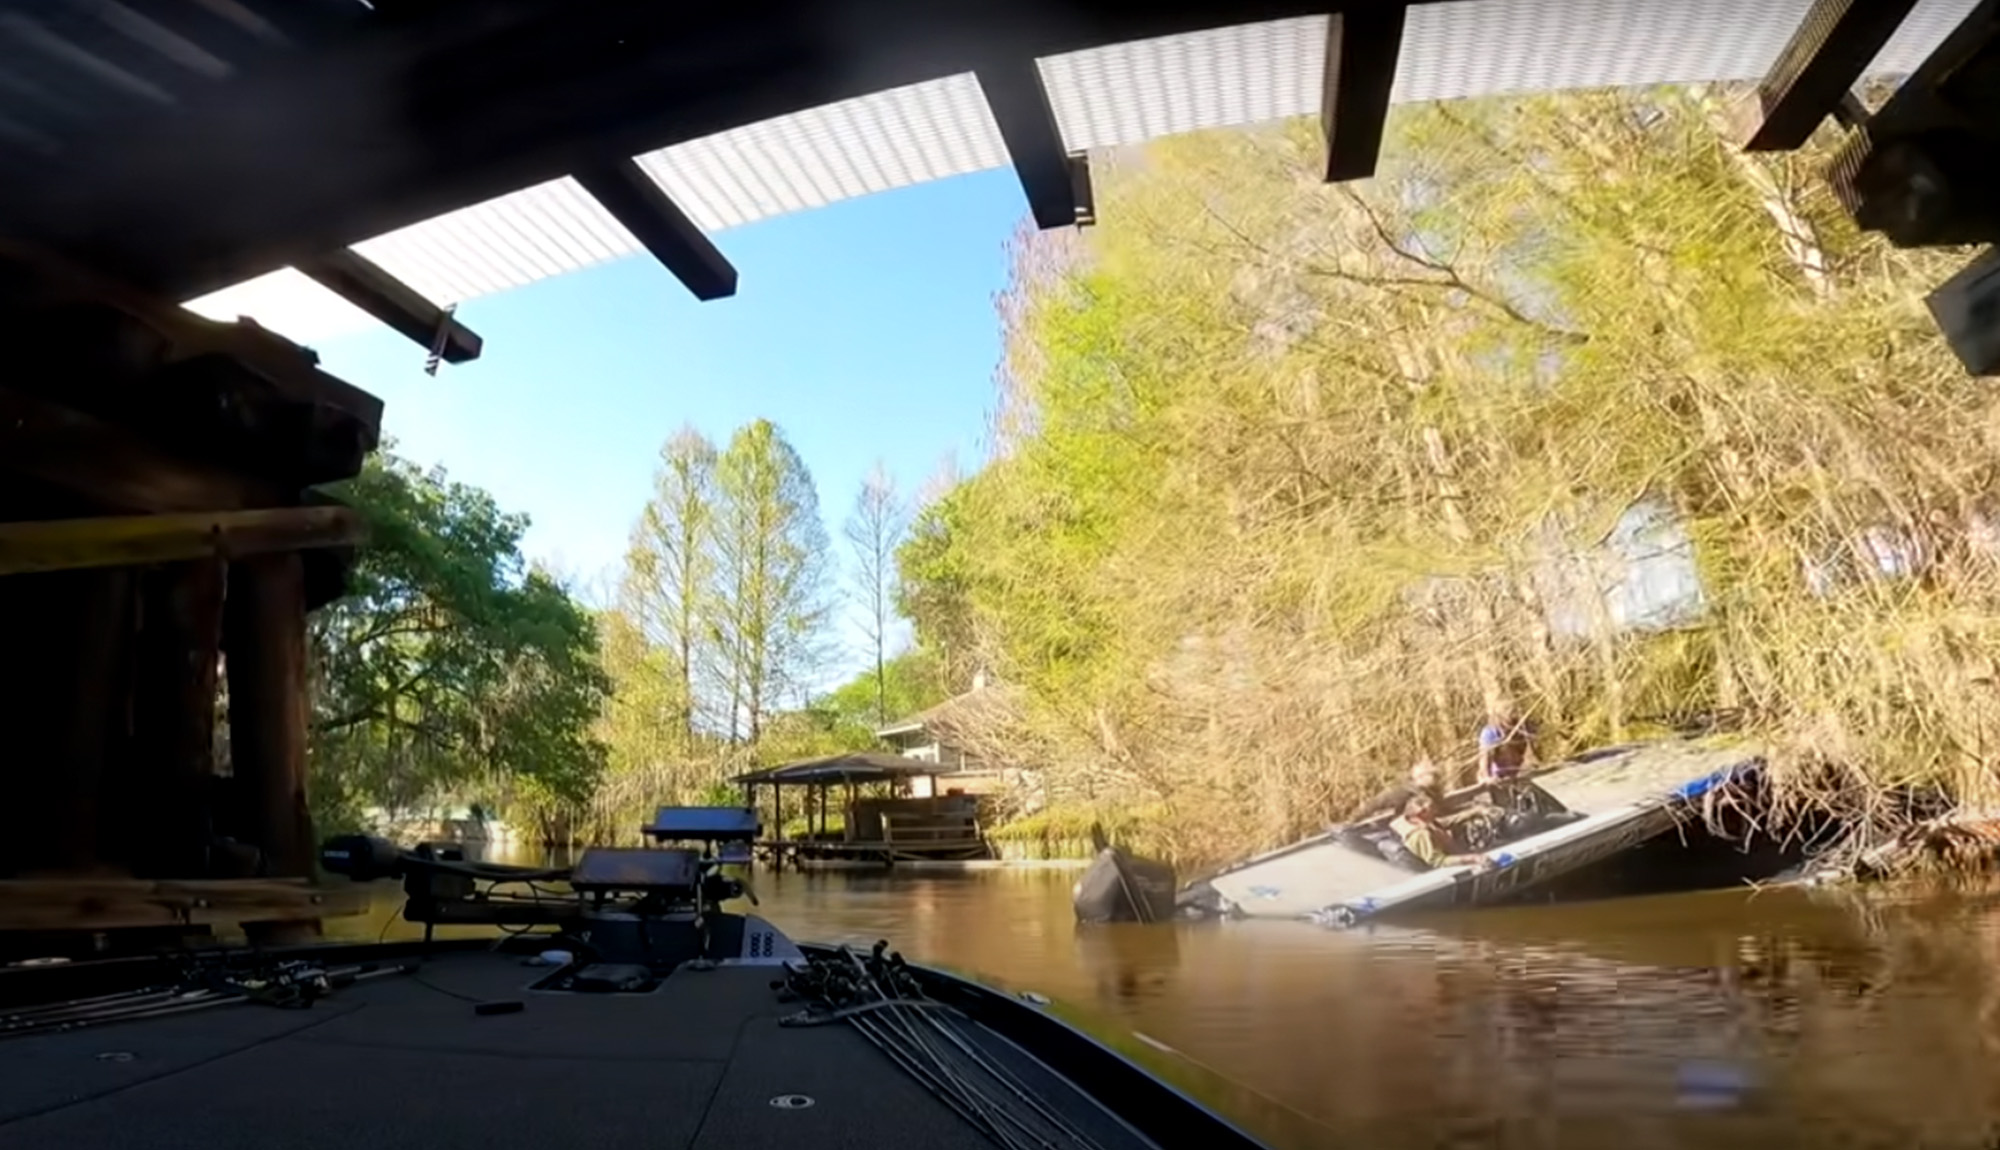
x=1120, y=94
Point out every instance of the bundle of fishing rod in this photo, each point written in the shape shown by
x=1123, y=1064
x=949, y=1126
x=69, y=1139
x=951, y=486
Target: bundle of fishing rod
x=933, y=1042
x=291, y=985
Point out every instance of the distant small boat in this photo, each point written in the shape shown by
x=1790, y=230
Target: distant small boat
x=1606, y=803
x=1122, y=887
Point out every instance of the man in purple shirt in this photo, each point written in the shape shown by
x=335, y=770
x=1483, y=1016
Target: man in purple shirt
x=1506, y=747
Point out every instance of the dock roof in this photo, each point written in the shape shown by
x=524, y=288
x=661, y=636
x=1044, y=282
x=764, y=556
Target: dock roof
x=854, y=767
x=321, y=162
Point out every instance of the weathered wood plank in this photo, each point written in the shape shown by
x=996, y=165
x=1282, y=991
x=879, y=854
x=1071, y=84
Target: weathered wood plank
x=165, y=824
x=115, y=468
x=112, y=904
x=264, y=633
x=137, y=540
x=69, y=635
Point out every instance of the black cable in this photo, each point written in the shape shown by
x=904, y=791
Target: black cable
x=420, y=980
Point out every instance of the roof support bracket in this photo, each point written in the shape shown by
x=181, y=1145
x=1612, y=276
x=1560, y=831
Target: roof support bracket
x=634, y=200
x=1057, y=193
x=1362, y=49
x=364, y=284
x=1819, y=66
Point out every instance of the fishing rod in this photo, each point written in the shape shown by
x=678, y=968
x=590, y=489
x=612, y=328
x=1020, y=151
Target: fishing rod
x=288, y=985
x=881, y=998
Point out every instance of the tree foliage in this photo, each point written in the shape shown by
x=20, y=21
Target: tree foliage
x=1296, y=480
x=668, y=591
x=874, y=530
x=717, y=644
x=771, y=570
x=452, y=668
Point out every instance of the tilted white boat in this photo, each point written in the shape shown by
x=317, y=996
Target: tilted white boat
x=1625, y=796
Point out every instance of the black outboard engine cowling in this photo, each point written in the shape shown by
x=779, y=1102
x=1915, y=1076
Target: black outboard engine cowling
x=1120, y=887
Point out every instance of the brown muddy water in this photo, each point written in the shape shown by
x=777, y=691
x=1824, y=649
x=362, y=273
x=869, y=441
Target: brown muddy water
x=1734, y=1019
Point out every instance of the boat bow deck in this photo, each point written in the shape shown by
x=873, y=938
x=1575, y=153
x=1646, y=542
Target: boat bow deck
x=402, y=1061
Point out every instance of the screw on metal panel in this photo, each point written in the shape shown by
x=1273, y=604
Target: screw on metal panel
x=791, y=1102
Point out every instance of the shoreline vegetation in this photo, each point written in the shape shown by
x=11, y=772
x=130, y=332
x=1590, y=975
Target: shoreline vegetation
x=1574, y=410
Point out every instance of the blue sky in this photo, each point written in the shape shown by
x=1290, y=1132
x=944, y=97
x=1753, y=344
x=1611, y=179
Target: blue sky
x=865, y=330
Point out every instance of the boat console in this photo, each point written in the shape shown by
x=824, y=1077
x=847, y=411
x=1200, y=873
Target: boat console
x=625, y=918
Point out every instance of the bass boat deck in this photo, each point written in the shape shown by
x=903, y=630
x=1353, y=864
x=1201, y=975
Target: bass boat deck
x=669, y=1024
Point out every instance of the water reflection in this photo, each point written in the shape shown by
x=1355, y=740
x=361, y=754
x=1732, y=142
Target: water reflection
x=1771, y=1020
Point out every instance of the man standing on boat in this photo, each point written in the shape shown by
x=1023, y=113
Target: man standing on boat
x=1506, y=747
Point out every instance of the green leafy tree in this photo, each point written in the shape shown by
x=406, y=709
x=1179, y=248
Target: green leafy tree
x=670, y=576
x=1297, y=479
x=771, y=568
x=451, y=667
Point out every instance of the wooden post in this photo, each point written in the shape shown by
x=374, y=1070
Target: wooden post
x=265, y=633
x=173, y=738
x=68, y=635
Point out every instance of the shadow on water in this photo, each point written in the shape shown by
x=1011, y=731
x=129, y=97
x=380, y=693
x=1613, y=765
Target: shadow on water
x=1775, y=1019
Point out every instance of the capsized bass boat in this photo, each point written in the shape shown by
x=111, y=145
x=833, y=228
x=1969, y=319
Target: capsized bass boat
x=659, y=1020
x=1587, y=810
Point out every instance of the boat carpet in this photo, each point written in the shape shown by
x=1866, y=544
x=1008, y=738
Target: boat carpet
x=403, y=1062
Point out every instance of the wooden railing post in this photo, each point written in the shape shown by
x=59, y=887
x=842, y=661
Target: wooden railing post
x=265, y=637
x=173, y=719
x=66, y=635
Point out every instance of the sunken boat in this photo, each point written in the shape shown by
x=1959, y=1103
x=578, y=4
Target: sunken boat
x=626, y=1006
x=1590, y=809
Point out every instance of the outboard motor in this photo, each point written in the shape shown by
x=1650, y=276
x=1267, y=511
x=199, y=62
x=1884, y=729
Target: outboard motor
x=1120, y=887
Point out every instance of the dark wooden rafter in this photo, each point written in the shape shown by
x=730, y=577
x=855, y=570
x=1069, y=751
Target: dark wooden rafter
x=364, y=284
x=141, y=540
x=205, y=196
x=634, y=200
x=1921, y=168
x=1363, y=45
x=1080, y=187
x=1819, y=68
x=1048, y=172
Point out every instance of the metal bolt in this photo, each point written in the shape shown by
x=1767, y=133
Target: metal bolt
x=791, y=1102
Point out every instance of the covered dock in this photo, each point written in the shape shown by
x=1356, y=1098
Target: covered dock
x=887, y=827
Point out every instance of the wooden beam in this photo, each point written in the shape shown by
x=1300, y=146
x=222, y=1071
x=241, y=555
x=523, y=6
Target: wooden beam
x=264, y=633
x=1020, y=105
x=362, y=283
x=114, y=904
x=1080, y=187
x=633, y=199
x=139, y=540
x=1363, y=45
x=1819, y=66
x=114, y=468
